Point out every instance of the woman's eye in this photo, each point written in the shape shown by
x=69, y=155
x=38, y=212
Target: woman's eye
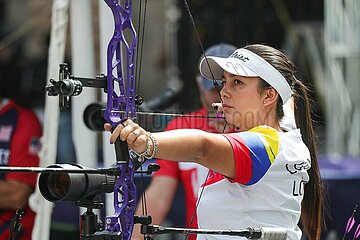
x=237, y=82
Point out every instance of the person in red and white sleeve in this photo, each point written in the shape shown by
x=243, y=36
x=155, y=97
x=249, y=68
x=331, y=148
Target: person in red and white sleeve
x=20, y=133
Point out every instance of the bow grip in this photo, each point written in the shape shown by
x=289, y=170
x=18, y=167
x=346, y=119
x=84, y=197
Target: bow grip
x=121, y=151
x=122, y=154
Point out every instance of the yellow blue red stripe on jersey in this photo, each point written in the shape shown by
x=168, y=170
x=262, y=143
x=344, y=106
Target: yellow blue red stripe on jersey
x=254, y=152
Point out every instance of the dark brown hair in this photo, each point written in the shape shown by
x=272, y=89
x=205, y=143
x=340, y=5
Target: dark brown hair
x=313, y=201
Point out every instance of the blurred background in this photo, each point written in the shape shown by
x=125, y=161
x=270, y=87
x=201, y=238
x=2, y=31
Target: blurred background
x=322, y=37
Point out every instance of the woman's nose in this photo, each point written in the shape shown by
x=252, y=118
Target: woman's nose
x=225, y=88
x=224, y=91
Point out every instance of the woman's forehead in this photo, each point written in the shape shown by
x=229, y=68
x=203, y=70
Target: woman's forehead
x=230, y=75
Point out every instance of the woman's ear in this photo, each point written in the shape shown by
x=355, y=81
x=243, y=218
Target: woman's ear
x=270, y=95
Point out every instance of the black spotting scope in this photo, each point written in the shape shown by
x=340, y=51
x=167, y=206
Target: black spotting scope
x=63, y=186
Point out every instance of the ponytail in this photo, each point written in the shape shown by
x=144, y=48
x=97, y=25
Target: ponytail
x=312, y=203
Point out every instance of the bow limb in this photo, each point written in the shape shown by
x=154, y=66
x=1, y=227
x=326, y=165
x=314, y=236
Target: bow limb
x=121, y=97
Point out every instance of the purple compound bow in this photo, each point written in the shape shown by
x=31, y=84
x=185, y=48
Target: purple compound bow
x=121, y=97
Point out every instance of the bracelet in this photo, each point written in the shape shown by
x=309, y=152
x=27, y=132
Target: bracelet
x=151, y=148
x=155, y=147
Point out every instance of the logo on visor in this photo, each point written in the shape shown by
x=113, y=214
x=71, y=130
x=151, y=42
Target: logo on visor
x=240, y=56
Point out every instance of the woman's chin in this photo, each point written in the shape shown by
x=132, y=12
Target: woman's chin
x=229, y=119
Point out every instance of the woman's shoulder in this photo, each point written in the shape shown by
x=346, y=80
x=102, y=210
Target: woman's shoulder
x=265, y=130
x=273, y=141
x=293, y=135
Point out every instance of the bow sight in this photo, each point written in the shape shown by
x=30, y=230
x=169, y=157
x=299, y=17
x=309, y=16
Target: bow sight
x=69, y=85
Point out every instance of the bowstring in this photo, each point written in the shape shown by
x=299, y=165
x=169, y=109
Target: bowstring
x=218, y=91
x=201, y=45
x=139, y=55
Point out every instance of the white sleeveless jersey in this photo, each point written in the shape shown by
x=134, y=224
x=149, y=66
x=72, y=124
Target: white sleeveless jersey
x=268, y=189
x=197, y=175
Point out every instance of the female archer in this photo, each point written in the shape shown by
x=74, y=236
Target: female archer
x=265, y=175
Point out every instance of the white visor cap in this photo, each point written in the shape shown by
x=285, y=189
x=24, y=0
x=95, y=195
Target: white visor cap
x=247, y=64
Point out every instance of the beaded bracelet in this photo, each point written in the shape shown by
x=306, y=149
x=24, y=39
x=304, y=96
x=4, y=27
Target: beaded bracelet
x=155, y=147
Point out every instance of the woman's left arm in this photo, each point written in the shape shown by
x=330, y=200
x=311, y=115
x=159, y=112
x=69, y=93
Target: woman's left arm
x=184, y=145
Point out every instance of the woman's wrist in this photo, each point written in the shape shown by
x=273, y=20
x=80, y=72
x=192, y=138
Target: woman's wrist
x=151, y=148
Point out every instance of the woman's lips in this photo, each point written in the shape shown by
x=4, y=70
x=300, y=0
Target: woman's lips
x=226, y=106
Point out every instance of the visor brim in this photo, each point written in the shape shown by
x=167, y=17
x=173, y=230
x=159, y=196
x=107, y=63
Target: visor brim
x=214, y=67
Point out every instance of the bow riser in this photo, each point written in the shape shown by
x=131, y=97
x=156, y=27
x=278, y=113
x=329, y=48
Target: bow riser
x=125, y=100
x=122, y=221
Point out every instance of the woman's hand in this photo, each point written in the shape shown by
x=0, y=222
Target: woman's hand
x=135, y=136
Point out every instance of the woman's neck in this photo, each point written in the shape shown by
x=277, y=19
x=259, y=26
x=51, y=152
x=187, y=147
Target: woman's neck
x=267, y=119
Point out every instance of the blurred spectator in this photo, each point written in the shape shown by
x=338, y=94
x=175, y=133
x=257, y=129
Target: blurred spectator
x=20, y=133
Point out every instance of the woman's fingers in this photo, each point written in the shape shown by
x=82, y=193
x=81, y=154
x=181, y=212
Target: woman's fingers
x=218, y=107
x=131, y=132
x=107, y=126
